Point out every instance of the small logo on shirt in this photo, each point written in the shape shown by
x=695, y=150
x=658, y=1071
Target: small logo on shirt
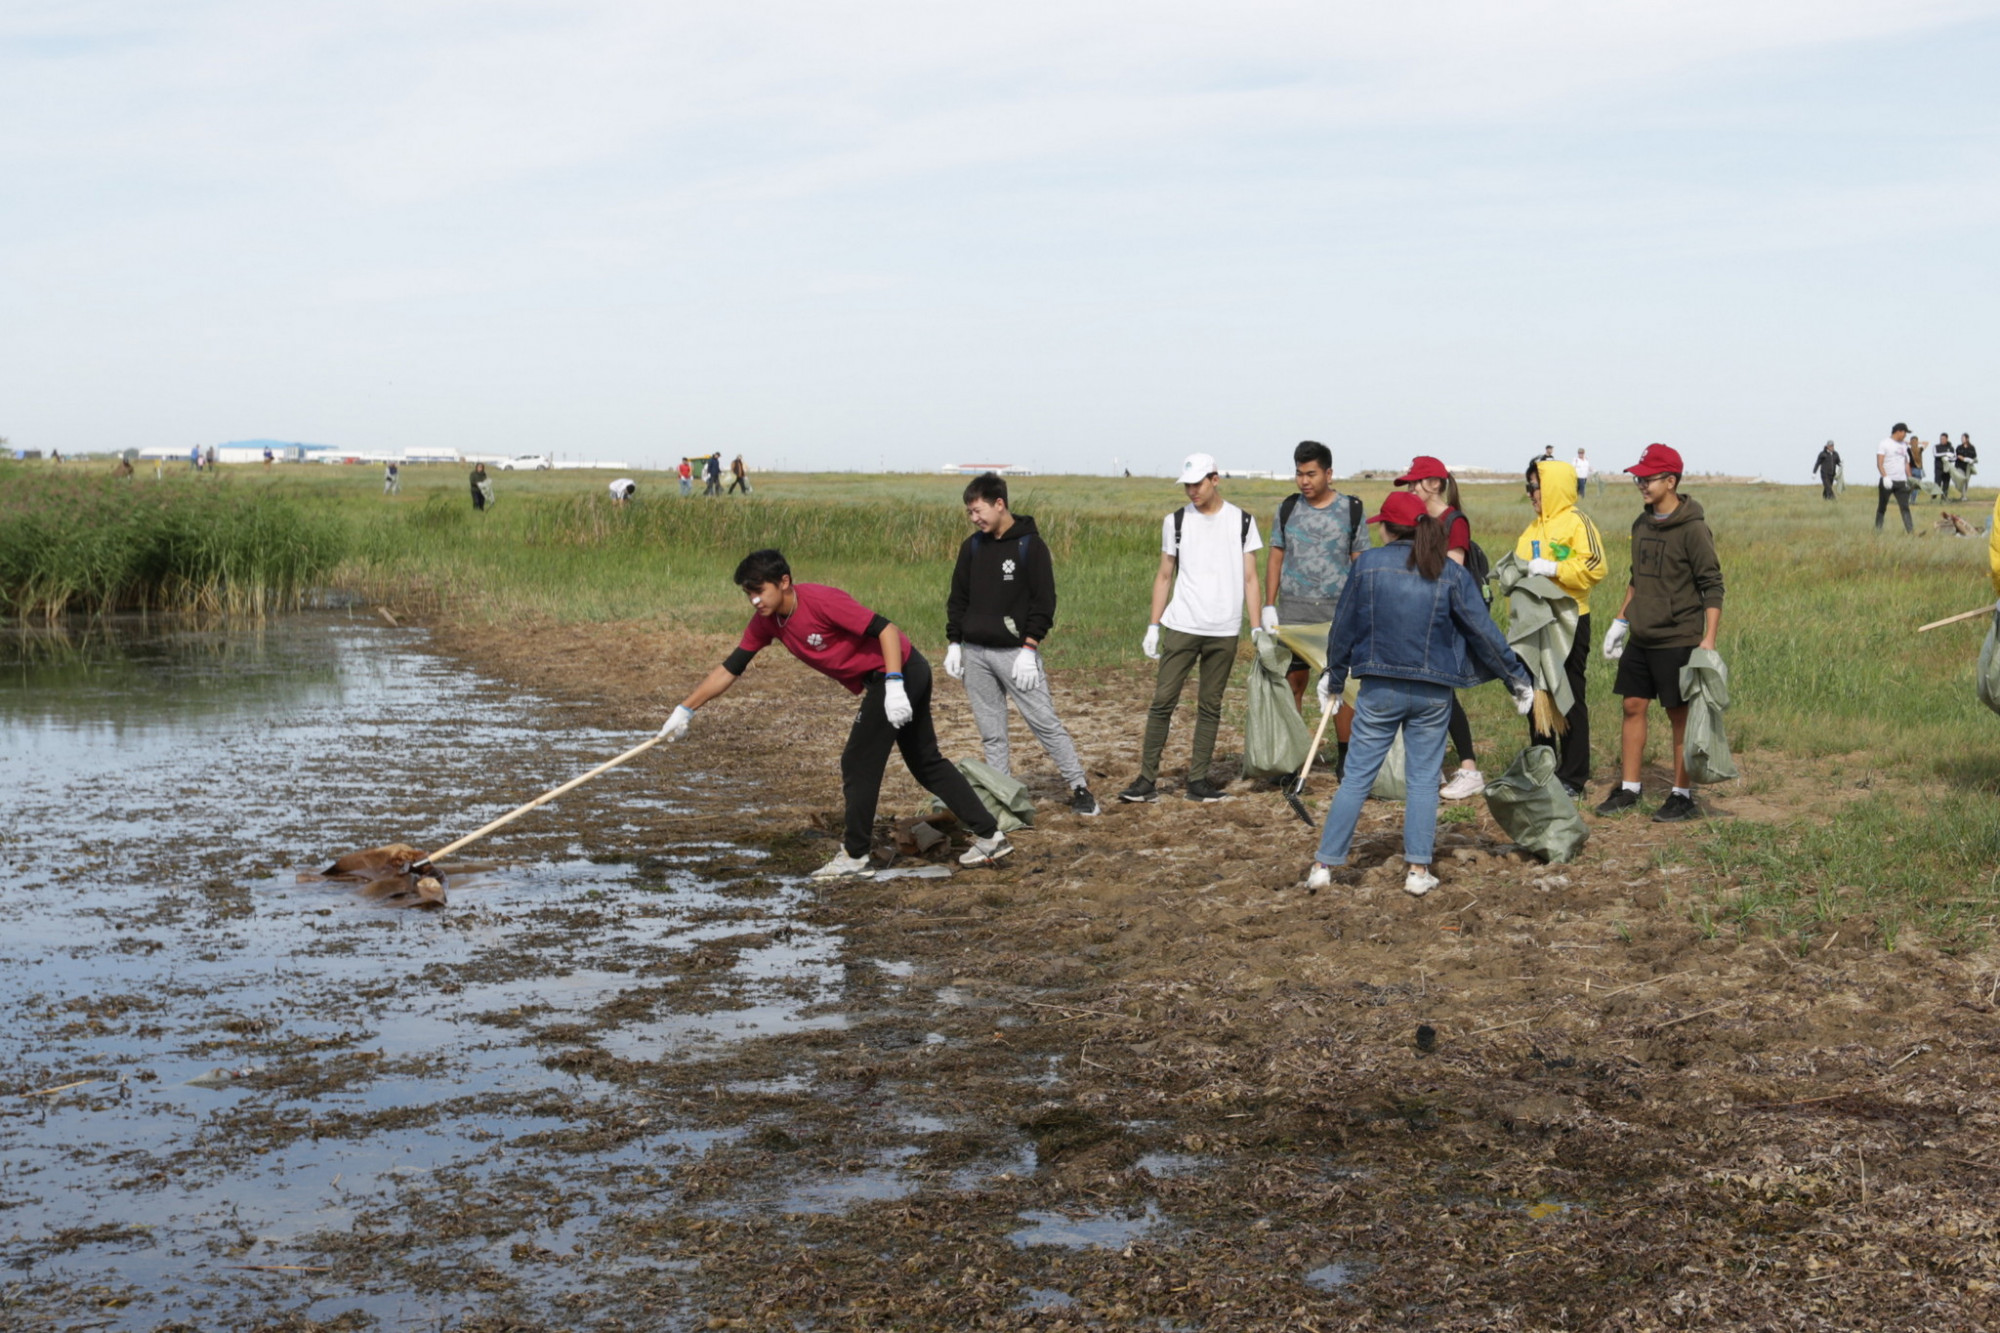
x=815, y=641
x=1006, y=570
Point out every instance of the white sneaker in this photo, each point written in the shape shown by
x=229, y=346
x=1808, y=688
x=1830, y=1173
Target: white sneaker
x=1319, y=877
x=1419, y=881
x=985, y=851
x=1465, y=783
x=844, y=866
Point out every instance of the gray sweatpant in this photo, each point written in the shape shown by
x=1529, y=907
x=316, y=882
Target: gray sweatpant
x=989, y=684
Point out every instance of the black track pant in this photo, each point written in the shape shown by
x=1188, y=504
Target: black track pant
x=1461, y=730
x=1901, y=491
x=1573, y=747
x=867, y=756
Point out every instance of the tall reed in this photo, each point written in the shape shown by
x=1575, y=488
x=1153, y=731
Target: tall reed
x=96, y=544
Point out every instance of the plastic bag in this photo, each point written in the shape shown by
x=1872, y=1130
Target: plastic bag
x=1989, y=666
x=1531, y=806
x=1392, y=783
x=1705, y=686
x=1005, y=797
x=1275, y=738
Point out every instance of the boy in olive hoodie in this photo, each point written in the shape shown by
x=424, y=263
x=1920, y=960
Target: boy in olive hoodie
x=1563, y=544
x=1673, y=605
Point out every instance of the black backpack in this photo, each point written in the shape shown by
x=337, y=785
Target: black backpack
x=1180, y=516
x=1291, y=503
x=1476, y=563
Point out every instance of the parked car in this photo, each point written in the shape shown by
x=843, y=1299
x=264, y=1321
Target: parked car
x=527, y=463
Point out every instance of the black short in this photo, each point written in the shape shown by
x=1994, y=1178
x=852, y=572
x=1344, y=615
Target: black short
x=1652, y=673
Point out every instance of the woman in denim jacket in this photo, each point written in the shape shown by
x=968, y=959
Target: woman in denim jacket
x=1412, y=627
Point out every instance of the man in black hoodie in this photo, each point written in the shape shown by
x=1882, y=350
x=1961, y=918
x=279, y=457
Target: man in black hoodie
x=1002, y=605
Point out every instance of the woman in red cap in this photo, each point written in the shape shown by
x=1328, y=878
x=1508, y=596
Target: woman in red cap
x=1431, y=481
x=1413, y=628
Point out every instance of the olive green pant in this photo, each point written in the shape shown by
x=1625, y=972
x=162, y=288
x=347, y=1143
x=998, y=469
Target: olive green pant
x=1178, y=655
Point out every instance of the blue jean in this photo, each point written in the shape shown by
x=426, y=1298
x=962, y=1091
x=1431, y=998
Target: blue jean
x=1386, y=705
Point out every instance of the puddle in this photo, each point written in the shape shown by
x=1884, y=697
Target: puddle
x=1045, y=1298
x=1102, y=1231
x=374, y=1063
x=1338, y=1275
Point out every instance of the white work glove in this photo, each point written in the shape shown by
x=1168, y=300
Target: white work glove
x=1027, y=669
x=1329, y=702
x=1524, y=698
x=1546, y=568
x=677, y=723
x=1271, y=619
x=1614, y=640
x=954, y=662
x=1150, y=645
x=896, y=702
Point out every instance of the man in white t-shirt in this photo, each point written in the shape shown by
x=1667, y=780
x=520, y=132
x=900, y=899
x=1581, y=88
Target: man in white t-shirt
x=1892, y=462
x=1206, y=579
x=1582, y=466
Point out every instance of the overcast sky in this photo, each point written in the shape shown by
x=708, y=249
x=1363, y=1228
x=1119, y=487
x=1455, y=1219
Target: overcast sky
x=853, y=235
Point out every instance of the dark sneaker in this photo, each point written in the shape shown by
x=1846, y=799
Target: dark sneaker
x=1576, y=792
x=1081, y=802
x=1677, y=809
x=1141, y=790
x=1201, y=789
x=1618, y=802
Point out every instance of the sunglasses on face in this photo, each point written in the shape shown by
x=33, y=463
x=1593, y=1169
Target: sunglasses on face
x=1643, y=482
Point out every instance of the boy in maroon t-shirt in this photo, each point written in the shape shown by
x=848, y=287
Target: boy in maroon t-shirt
x=838, y=637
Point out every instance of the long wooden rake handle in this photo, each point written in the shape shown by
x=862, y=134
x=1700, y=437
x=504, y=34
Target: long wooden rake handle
x=543, y=799
x=1325, y=716
x=1953, y=620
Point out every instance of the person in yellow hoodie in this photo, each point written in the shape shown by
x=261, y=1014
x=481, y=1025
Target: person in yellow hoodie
x=1563, y=544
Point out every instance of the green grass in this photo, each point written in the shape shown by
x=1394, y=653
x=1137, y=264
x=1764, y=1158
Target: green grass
x=1818, y=628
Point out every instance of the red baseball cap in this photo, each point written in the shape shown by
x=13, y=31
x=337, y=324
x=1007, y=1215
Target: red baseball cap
x=1401, y=508
x=1422, y=467
x=1658, y=458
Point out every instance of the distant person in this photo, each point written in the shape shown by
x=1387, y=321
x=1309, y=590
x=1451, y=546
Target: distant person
x=686, y=473
x=392, y=479
x=1431, y=481
x=482, y=488
x=211, y=456
x=622, y=491
x=1206, y=580
x=1828, y=467
x=1316, y=536
x=1581, y=466
x=124, y=468
x=739, y=476
x=1000, y=610
x=268, y=456
x=194, y=458
x=1965, y=464
x=714, y=471
x=55, y=457
x=1673, y=605
x=1892, y=465
x=1943, y=456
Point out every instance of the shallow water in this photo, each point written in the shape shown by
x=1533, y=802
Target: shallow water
x=262, y=1064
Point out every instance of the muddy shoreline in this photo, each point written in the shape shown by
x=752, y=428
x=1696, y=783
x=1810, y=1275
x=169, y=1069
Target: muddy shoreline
x=1133, y=1078
x=1625, y=1120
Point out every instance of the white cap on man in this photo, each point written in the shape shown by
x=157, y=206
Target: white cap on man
x=1197, y=466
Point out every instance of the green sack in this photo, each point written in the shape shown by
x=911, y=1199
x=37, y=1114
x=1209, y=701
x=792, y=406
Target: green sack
x=1705, y=686
x=1005, y=797
x=1531, y=806
x=1989, y=666
x=1392, y=783
x=1275, y=738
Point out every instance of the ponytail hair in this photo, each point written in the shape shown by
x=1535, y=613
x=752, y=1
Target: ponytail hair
x=1427, y=551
